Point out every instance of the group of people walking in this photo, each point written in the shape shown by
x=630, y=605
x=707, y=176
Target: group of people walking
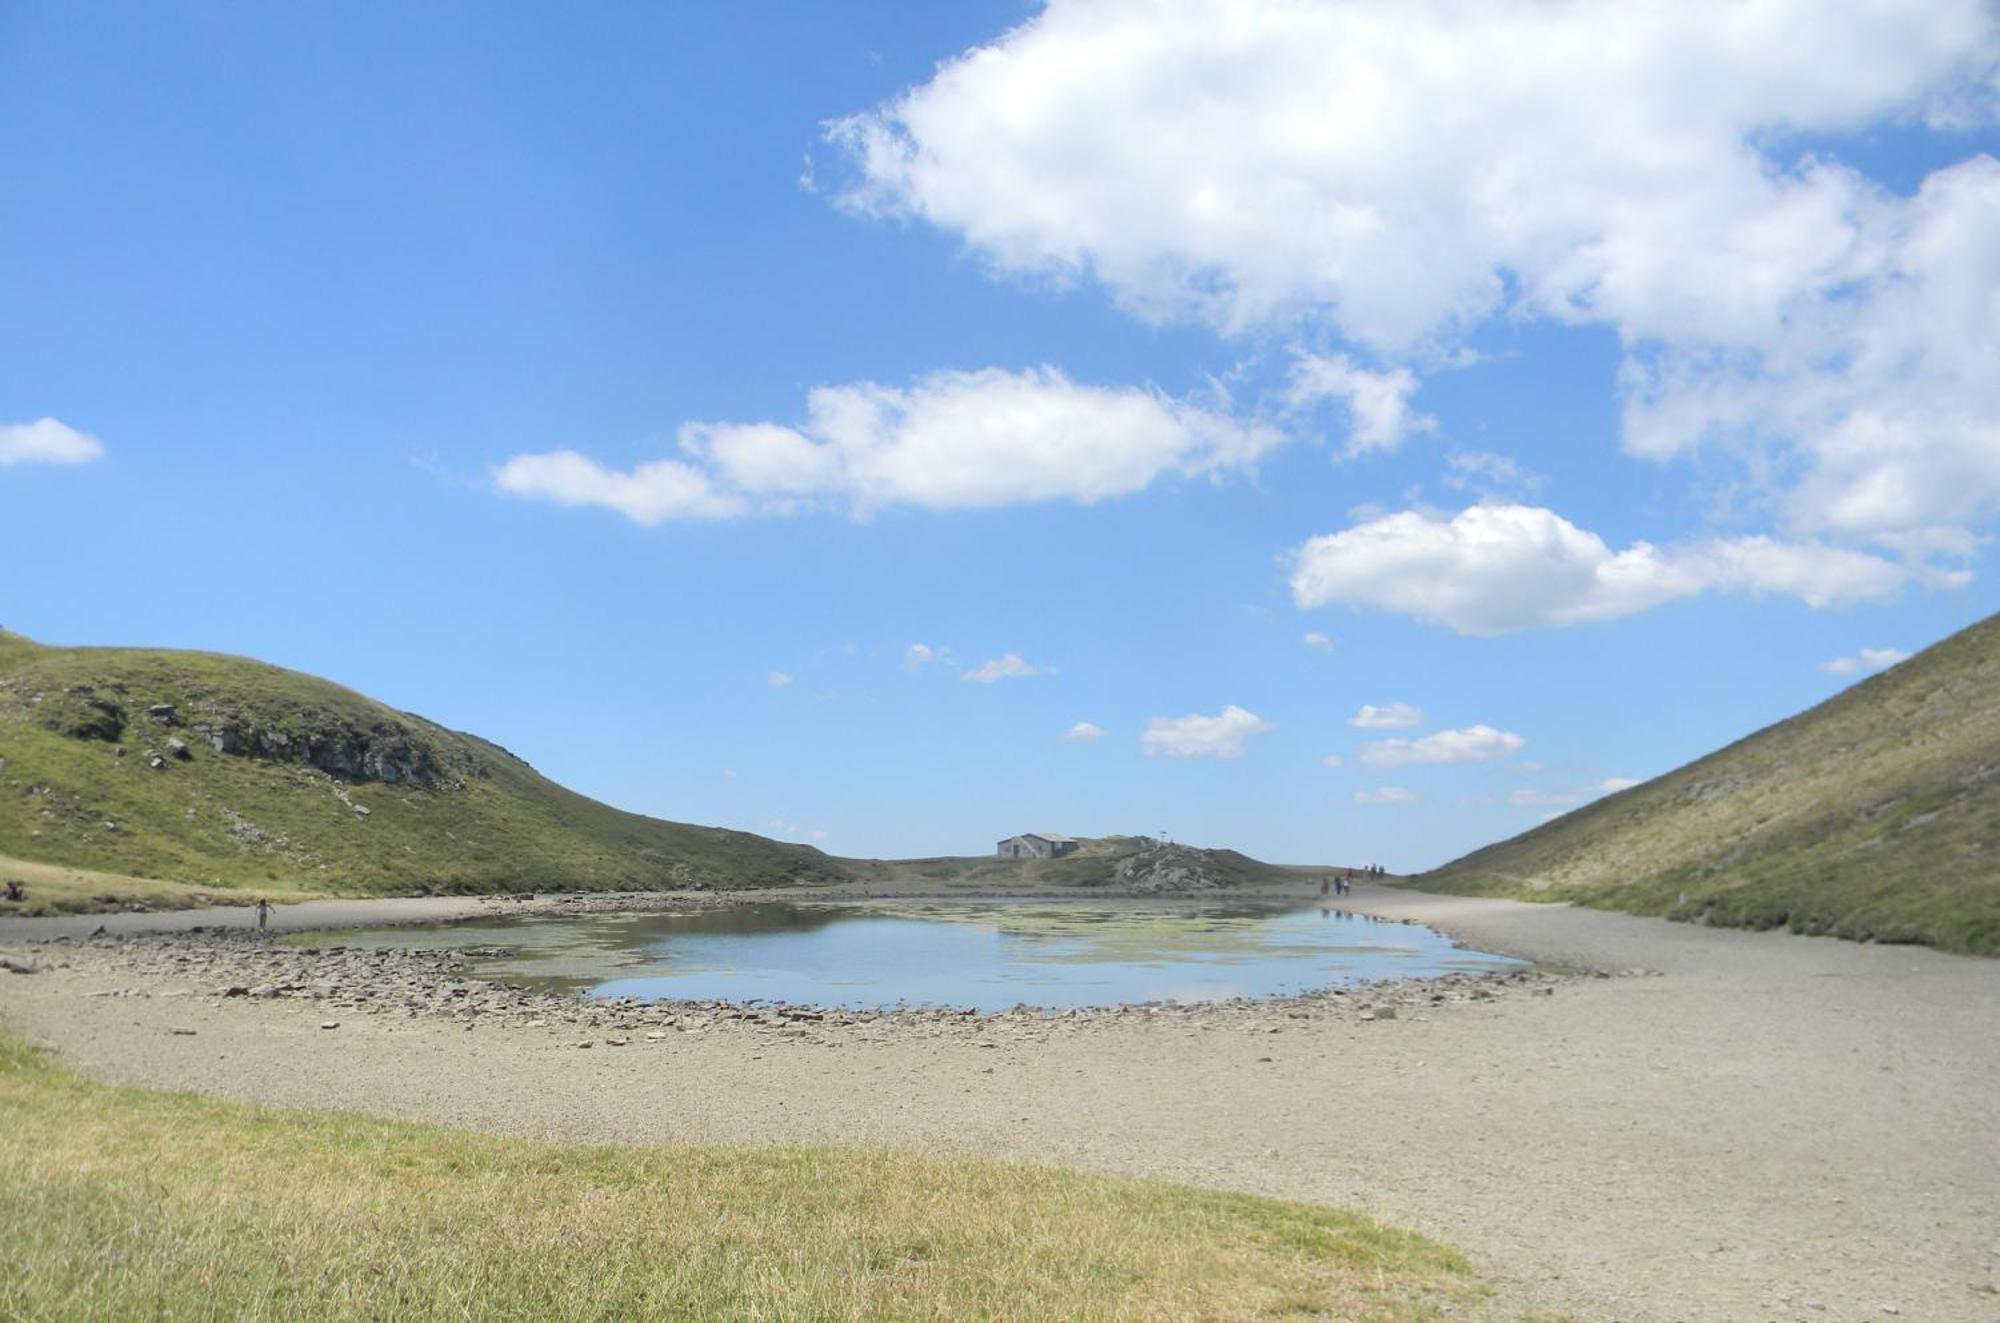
x=1341, y=883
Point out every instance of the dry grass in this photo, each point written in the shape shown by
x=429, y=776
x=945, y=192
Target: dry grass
x=119, y=1204
x=1872, y=816
x=56, y=889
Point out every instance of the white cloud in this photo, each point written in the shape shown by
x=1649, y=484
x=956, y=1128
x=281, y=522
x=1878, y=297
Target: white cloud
x=1008, y=666
x=1389, y=716
x=1865, y=661
x=1386, y=795
x=1398, y=172
x=777, y=679
x=1084, y=730
x=1332, y=760
x=1378, y=403
x=1225, y=735
x=1318, y=641
x=1611, y=785
x=1882, y=386
x=1495, y=568
x=46, y=441
x=648, y=494
x=1473, y=744
x=951, y=441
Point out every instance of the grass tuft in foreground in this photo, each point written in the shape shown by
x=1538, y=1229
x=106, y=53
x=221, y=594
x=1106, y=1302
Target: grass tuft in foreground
x=118, y=1203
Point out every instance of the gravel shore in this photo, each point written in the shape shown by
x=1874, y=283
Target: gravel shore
x=1683, y=1124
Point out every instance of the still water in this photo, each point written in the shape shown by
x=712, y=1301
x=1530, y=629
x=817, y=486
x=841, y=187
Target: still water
x=986, y=955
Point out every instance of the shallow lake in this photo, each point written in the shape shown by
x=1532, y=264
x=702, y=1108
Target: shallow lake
x=986, y=955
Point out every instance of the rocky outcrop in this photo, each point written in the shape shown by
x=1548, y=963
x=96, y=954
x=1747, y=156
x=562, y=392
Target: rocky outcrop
x=80, y=713
x=384, y=752
x=1169, y=868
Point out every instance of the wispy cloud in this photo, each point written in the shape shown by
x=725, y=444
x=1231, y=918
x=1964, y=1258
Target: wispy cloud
x=1386, y=795
x=1473, y=744
x=1007, y=666
x=1389, y=716
x=1488, y=473
x=1379, y=416
x=1865, y=661
x=1084, y=730
x=921, y=657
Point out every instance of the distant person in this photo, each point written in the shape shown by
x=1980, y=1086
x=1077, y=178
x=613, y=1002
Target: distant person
x=16, y=892
x=263, y=913
x=1322, y=888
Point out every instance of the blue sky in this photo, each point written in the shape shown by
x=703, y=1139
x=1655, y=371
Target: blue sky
x=638, y=387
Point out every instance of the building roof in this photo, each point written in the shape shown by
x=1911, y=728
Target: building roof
x=1052, y=837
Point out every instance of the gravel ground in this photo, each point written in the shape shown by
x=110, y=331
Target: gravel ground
x=1732, y=1126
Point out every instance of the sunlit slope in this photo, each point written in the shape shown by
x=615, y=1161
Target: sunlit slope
x=258, y=774
x=1874, y=815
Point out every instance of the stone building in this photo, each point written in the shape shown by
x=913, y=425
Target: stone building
x=1036, y=845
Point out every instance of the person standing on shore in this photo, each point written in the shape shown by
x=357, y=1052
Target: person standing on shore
x=263, y=913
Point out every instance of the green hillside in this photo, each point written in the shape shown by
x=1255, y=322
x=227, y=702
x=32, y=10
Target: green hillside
x=1875, y=815
x=1123, y=863
x=219, y=771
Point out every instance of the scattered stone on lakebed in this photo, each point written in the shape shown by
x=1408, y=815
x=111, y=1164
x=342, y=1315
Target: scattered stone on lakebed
x=434, y=983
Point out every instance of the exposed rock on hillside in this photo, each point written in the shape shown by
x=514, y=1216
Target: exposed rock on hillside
x=385, y=751
x=1170, y=868
x=234, y=764
x=78, y=712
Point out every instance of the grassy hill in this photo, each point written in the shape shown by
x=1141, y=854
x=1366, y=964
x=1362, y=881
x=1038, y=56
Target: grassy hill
x=1121, y=862
x=217, y=771
x=1875, y=815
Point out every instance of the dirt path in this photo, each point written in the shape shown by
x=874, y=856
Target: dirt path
x=1765, y=1127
